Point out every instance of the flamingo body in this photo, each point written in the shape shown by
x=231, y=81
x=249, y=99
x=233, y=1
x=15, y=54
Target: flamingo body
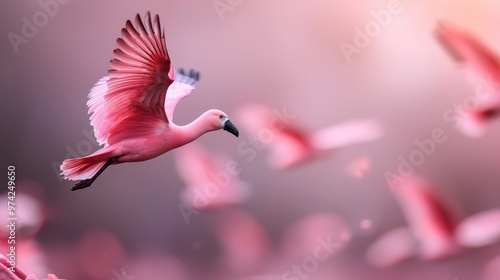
x=481, y=63
x=132, y=107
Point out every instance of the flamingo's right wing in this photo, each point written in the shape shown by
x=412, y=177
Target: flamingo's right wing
x=180, y=88
x=469, y=51
x=347, y=133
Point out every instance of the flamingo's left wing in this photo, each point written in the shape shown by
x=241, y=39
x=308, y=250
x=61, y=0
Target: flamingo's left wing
x=180, y=88
x=130, y=101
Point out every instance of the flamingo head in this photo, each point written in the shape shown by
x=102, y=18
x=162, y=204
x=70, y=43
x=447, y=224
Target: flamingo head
x=219, y=120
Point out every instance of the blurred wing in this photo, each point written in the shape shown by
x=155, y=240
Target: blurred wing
x=392, y=248
x=469, y=51
x=429, y=217
x=480, y=230
x=8, y=274
x=347, y=133
x=257, y=118
x=133, y=95
x=180, y=88
x=193, y=164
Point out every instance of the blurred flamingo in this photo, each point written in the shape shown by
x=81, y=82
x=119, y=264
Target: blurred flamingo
x=132, y=108
x=292, y=145
x=482, y=63
x=430, y=219
x=17, y=274
x=210, y=181
x=432, y=233
x=7, y=274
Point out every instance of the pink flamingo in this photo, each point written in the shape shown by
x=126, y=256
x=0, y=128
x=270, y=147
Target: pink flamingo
x=481, y=62
x=17, y=274
x=132, y=108
x=430, y=219
x=210, y=184
x=292, y=145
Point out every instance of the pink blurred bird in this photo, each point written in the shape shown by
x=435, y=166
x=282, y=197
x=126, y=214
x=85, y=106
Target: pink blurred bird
x=482, y=63
x=430, y=219
x=210, y=182
x=132, y=108
x=17, y=274
x=291, y=145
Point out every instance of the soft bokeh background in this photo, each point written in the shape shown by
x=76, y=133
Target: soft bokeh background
x=282, y=53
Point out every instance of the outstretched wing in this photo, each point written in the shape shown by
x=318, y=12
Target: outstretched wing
x=469, y=51
x=180, y=88
x=129, y=102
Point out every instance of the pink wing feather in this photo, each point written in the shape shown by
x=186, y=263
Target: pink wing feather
x=133, y=95
x=180, y=88
x=290, y=141
x=429, y=217
x=198, y=169
x=479, y=230
x=347, y=133
x=469, y=51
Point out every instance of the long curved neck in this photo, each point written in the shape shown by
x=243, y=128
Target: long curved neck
x=194, y=129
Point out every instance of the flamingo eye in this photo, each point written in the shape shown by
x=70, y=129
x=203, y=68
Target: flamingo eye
x=221, y=117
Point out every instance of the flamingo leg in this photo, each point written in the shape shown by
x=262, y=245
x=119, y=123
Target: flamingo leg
x=86, y=183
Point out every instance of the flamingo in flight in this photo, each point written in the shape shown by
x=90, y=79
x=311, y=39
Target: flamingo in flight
x=481, y=61
x=133, y=106
x=291, y=144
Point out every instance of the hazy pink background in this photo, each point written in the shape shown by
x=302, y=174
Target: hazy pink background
x=282, y=53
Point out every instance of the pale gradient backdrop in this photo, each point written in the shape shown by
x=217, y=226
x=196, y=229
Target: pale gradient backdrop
x=282, y=53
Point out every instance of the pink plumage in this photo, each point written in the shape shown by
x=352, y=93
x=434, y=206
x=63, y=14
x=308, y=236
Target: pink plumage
x=132, y=108
x=429, y=218
x=481, y=229
x=483, y=66
x=393, y=247
x=244, y=243
x=7, y=274
x=291, y=144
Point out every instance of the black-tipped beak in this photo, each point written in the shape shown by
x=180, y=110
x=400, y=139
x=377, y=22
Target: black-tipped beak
x=229, y=127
